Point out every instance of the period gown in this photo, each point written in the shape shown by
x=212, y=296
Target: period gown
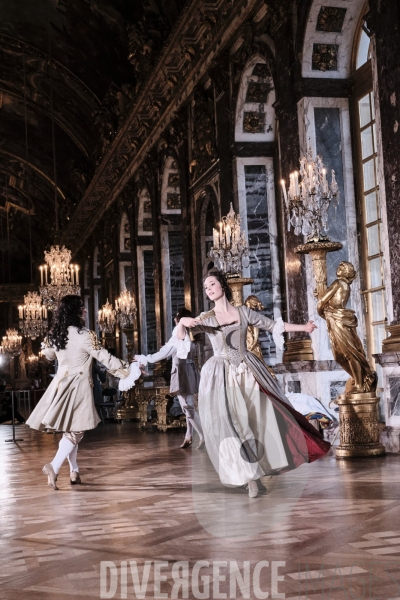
x=250, y=427
x=68, y=403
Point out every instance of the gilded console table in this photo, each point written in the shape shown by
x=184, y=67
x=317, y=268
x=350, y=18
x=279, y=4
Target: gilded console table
x=144, y=396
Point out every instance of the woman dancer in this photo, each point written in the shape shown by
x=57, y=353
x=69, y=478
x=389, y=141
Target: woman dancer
x=184, y=380
x=250, y=427
x=68, y=404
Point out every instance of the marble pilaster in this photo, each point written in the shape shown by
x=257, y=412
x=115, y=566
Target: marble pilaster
x=326, y=123
x=257, y=207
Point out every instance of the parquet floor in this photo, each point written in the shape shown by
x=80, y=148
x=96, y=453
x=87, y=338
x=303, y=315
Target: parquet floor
x=329, y=530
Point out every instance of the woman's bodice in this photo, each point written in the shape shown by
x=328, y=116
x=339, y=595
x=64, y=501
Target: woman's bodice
x=229, y=341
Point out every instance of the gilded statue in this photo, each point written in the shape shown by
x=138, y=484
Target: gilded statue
x=342, y=323
x=252, y=341
x=253, y=344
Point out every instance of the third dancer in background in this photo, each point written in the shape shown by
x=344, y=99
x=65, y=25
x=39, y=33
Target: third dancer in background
x=184, y=380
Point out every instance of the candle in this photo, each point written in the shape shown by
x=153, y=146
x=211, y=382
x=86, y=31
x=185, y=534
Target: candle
x=215, y=237
x=44, y=312
x=220, y=233
x=21, y=312
x=296, y=183
x=41, y=275
x=72, y=274
x=324, y=185
x=284, y=189
x=228, y=235
x=77, y=275
x=45, y=274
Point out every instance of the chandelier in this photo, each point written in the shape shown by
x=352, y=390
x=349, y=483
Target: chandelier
x=230, y=249
x=126, y=310
x=64, y=277
x=308, y=198
x=12, y=343
x=32, y=316
x=33, y=359
x=106, y=318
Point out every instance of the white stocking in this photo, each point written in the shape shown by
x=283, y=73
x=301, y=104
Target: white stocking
x=73, y=465
x=65, y=447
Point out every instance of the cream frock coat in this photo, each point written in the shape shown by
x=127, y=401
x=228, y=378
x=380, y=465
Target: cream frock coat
x=68, y=403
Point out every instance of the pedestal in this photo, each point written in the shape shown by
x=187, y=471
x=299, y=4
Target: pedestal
x=318, y=252
x=297, y=350
x=236, y=284
x=359, y=427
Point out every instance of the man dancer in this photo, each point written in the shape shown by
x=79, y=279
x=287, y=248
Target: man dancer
x=184, y=381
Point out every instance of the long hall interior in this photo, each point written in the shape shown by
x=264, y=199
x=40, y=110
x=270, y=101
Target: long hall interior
x=236, y=443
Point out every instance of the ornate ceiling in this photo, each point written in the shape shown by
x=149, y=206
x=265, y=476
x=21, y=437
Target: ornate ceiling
x=69, y=72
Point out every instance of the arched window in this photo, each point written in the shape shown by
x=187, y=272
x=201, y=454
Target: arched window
x=369, y=195
x=124, y=234
x=145, y=223
x=170, y=189
x=256, y=191
x=255, y=114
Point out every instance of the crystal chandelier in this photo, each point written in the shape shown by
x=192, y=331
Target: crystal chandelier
x=12, y=343
x=32, y=316
x=308, y=199
x=126, y=310
x=230, y=249
x=64, y=277
x=33, y=359
x=106, y=318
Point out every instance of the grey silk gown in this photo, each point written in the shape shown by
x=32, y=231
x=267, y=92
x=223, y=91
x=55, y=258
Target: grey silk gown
x=240, y=425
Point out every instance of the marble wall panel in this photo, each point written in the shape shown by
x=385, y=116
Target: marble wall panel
x=176, y=271
x=326, y=123
x=394, y=406
x=328, y=140
x=344, y=39
x=256, y=193
x=259, y=243
x=148, y=265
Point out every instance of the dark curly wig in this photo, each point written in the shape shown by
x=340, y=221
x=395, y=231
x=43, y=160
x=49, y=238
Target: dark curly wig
x=69, y=313
x=220, y=276
x=183, y=312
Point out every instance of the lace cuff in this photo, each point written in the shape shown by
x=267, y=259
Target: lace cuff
x=182, y=346
x=128, y=382
x=142, y=359
x=277, y=333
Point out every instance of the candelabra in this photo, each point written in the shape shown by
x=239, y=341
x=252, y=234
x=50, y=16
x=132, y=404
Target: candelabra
x=12, y=343
x=32, y=316
x=33, y=359
x=126, y=316
x=64, y=277
x=106, y=318
x=230, y=249
x=308, y=199
x=126, y=310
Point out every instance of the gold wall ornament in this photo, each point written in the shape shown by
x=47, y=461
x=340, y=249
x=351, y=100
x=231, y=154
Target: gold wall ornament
x=358, y=414
x=252, y=335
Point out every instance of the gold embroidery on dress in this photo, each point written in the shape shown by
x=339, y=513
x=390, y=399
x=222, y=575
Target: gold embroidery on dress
x=206, y=315
x=96, y=345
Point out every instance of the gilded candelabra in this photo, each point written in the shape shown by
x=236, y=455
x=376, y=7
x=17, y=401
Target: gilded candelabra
x=12, y=343
x=126, y=312
x=106, y=318
x=32, y=316
x=63, y=276
x=307, y=204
